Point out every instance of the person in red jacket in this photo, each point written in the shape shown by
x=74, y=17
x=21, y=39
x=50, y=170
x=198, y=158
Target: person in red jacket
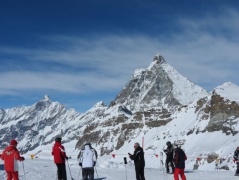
x=58, y=151
x=10, y=156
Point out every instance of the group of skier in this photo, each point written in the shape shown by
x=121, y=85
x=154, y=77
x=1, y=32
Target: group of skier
x=176, y=157
x=87, y=160
x=87, y=157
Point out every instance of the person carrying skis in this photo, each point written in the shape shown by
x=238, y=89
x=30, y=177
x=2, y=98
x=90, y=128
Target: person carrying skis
x=87, y=160
x=139, y=162
x=10, y=156
x=169, y=156
x=179, y=162
x=58, y=151
x=236, y=160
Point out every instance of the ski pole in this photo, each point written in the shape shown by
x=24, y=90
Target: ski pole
x=78, y=178
x=24, y=171
x=69, y=169
x=161, y=159
x=125, y=162
x=96, y=173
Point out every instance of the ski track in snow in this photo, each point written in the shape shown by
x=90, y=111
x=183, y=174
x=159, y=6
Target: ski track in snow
x=39, y=169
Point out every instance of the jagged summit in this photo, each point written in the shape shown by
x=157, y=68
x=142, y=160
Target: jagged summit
x=159, y=85
x=46, y=98
x=159, y=59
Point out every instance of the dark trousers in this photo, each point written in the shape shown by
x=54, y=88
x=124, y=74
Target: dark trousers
x=139, y=173
x=61, y=171
x=88, y=173
x=168, y=160
x=237, y=171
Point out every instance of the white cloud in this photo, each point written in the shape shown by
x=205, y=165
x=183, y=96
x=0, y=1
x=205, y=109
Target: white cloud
x=201, y=51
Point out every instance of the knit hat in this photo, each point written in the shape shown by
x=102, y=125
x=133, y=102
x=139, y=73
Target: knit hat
x=13, y=142
x=58, y=139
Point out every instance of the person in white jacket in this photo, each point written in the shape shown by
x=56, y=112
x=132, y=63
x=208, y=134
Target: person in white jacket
x=87, y=160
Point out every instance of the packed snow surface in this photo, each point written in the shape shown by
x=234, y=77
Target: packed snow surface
x=42, y=169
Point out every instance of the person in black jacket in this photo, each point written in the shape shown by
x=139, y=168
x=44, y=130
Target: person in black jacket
x=236, y=160
x=169, y=159
x=179, y=162
x=139, y=162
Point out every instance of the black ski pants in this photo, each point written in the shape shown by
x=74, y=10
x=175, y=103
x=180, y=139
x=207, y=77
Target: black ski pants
x=169, y=160
x=88, y=173
x=237, y=171
x=139, y=170
x=61, y=171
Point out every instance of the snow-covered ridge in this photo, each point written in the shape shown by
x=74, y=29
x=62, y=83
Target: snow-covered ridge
x=184, y=90
x=229, y=91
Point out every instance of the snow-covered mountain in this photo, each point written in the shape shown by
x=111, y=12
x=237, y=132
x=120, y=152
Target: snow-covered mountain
x=160, y=85
x=158, y=104
x=37, y=124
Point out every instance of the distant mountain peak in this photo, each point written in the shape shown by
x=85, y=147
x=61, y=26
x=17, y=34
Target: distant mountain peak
x=159, y=59
x=159, y=85
x=46, y=98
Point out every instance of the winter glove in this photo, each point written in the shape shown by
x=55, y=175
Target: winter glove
x=67, y=158
x=80, y=164
x=94, y=163
x=22, y=159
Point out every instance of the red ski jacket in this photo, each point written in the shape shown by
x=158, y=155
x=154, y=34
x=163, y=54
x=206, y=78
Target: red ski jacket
x=58, y=151
x=10, y=156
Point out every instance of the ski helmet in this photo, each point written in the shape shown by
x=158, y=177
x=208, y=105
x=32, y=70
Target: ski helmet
x=58, y=139
x=168, y=143
x=13, y=142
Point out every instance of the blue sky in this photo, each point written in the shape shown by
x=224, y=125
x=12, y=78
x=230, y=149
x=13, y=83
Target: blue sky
x=81, y=52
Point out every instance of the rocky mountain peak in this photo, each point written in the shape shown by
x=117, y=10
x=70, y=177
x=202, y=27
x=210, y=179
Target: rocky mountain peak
x=159, y=59
x=46, y=98
x=158, y=86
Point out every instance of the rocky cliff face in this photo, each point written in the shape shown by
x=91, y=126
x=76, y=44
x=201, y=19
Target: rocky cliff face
x=223, y=111
x=160, y=85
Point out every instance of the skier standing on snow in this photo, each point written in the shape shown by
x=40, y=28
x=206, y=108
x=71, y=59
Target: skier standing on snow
x=169, y=159
x=179, y=161
x=10, y=156
x=87, y=160
x=58, y=151
x=139, y=162
x=236, y=160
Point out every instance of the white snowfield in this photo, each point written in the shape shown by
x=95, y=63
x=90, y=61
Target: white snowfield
x=42, y=169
